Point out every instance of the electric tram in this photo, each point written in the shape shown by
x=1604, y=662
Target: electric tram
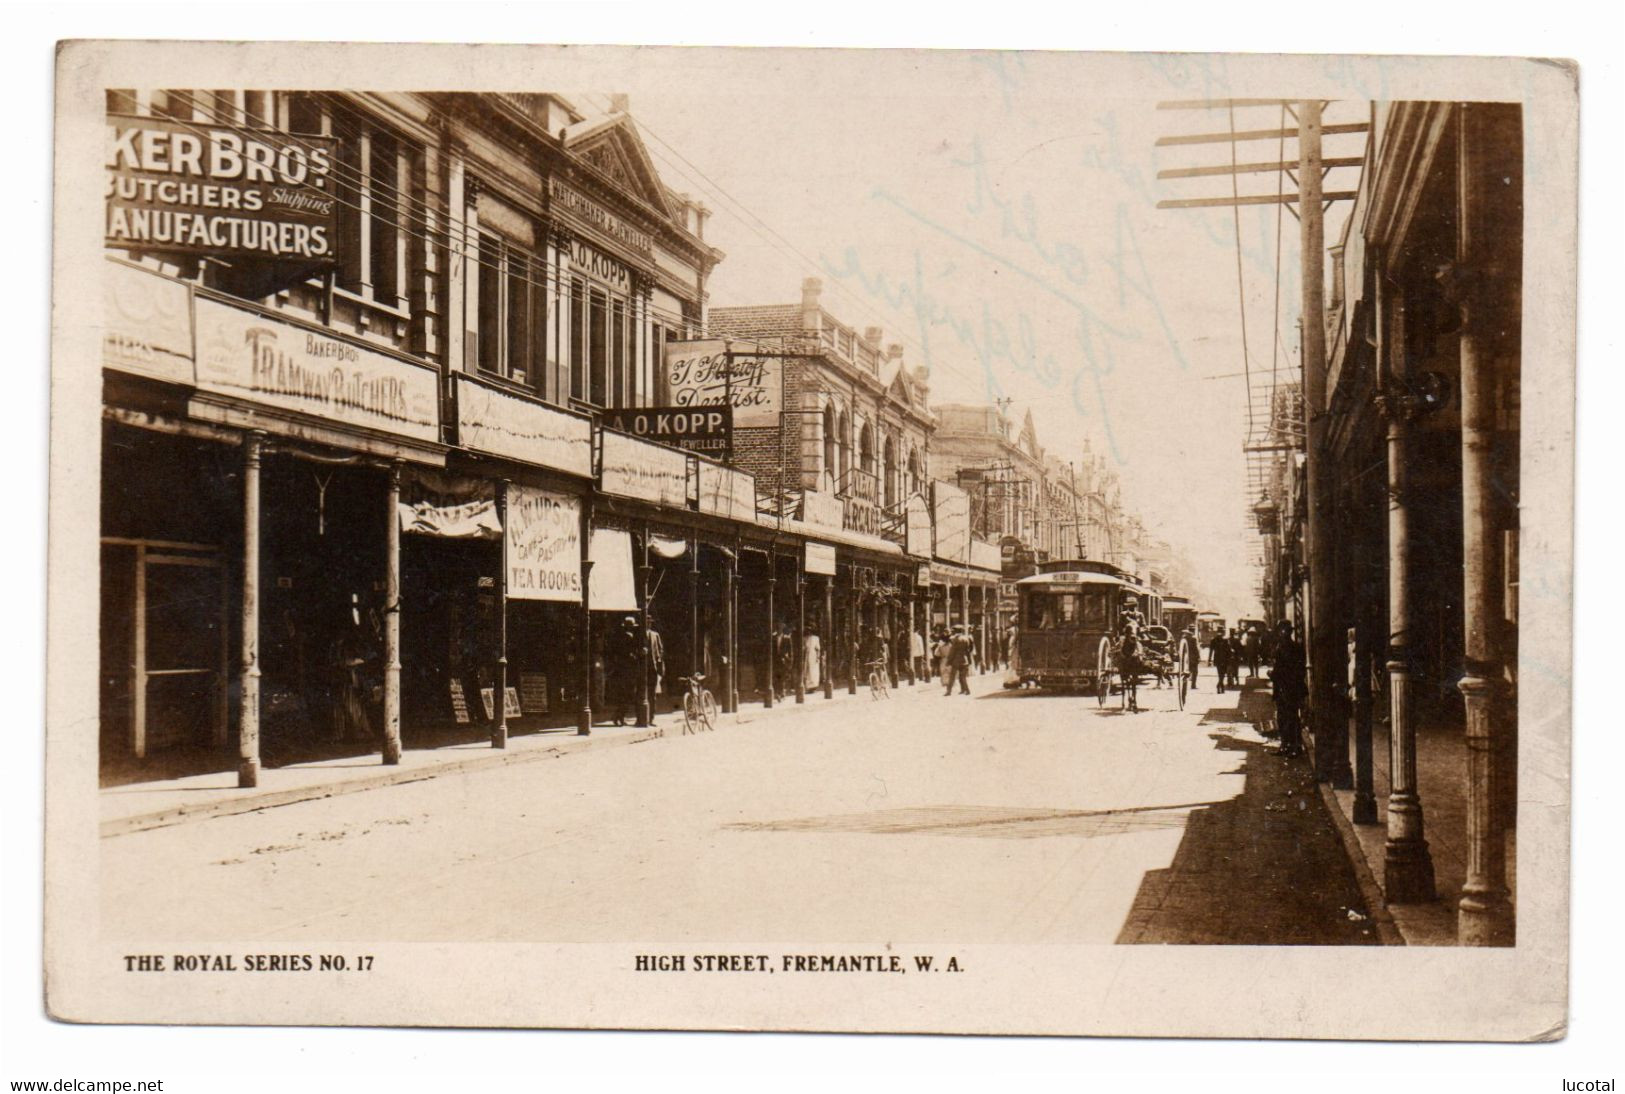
x=1068, y=618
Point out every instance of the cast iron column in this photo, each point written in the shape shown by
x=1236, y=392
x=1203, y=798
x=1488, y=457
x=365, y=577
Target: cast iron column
x=827, y=643
x=499, y=729
x=1486, y=914
x=584, y=715
x=772, y=631
x=801, y=629
x=392, y=621
x=1407, y=864
x=248, y=732
x=645, y=687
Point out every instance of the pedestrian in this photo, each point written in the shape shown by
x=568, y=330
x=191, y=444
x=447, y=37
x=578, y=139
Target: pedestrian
x=957, y=661
x=1288, y=686
x=1190, y=652
x=1219, y=652
x=812, y=661
x=1250, y=643
x=939, y=655
x=656, y=647
x=623, y=655
x=1232, y=659
x=916, y=649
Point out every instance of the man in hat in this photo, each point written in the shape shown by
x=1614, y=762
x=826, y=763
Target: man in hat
x=960, y=647
x=1289, y=687
x=623, y=670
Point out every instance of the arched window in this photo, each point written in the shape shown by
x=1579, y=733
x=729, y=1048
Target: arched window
x=866, y=449
x=830, y=435
x=913, y=471
x=844, y=446
x=891, y=473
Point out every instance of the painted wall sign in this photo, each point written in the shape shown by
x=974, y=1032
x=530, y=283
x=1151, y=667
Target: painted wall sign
x=544, y=544
x=952, y=517
x=147, y=321
x=700, y=374
x=259, y=359
x=821, y=559
x=636, y=469
x=727, y=492
x=195, y=188
x=707, y=429
x=505, y=425
x=599, y=266
x=562, y=196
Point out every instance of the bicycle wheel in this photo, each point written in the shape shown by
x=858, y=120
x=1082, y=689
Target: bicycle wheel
x=874, y=685
x=708, y=709
x=691, y=714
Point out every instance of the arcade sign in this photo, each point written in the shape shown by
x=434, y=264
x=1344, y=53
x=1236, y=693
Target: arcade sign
x=707, y=429
x=194, y=188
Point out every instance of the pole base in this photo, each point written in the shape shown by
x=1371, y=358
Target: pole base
x=392, y=753
x=1407, y=870
x=1365, y=808
x=584, y=722
x=1485, y=919
x=248, y=774
x=499, y=736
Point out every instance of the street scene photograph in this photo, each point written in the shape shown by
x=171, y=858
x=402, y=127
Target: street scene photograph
x=804, y=524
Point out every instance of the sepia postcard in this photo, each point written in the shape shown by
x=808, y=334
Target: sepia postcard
x=812, y=540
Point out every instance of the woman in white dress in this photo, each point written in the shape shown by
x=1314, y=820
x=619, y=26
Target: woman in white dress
x=812, y=655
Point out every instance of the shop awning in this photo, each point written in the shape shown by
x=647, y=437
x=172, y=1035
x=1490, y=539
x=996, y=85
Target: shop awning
x=667, y=546
x=611, y=587
x=438, y=503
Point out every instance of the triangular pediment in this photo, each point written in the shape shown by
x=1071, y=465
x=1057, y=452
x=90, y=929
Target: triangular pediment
x=1028, y=441
x=611, y=146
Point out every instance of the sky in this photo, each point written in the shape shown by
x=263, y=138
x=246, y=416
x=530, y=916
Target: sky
x=1000, y=220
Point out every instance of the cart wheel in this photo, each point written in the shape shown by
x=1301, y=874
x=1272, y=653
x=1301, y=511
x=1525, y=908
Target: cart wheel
x=1103, y=672
x=1184, y=683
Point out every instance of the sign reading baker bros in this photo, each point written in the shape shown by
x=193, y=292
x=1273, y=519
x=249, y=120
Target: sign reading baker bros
x=259, y=359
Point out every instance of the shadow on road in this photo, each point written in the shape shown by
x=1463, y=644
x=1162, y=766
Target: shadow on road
x=1263, y=868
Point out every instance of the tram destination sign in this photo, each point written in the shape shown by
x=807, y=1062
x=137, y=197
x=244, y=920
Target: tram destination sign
x=707, y=429
x=185, y=187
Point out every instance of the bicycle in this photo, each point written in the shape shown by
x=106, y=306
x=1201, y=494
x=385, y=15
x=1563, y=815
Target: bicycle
x=699, y=708
x=879, y=683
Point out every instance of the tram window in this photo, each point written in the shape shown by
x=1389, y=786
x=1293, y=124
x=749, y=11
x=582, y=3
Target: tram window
x=1096, y=605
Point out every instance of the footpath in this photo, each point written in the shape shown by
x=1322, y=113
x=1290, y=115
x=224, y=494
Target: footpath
x=160, y=803
x=1268, y=867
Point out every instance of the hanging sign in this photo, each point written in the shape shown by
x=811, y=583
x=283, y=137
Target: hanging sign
x=824, y=510
x=146, y=323
x=727, y=492
x=952, y=517
x=917, y=529
x=706, y=429
x=504, y=425
x=986, y=556
x=634, y=469
x=701, y=373
x=821, y=559
x=544, y=545
x=253, y=357
x=186, y=187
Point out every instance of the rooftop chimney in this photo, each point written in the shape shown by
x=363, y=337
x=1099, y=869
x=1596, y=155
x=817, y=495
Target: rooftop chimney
x=811, y=313
x=894, y=351
x=873, y=335
x=620, y=103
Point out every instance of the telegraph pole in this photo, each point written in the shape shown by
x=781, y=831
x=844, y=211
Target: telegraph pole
x=1327, y=700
